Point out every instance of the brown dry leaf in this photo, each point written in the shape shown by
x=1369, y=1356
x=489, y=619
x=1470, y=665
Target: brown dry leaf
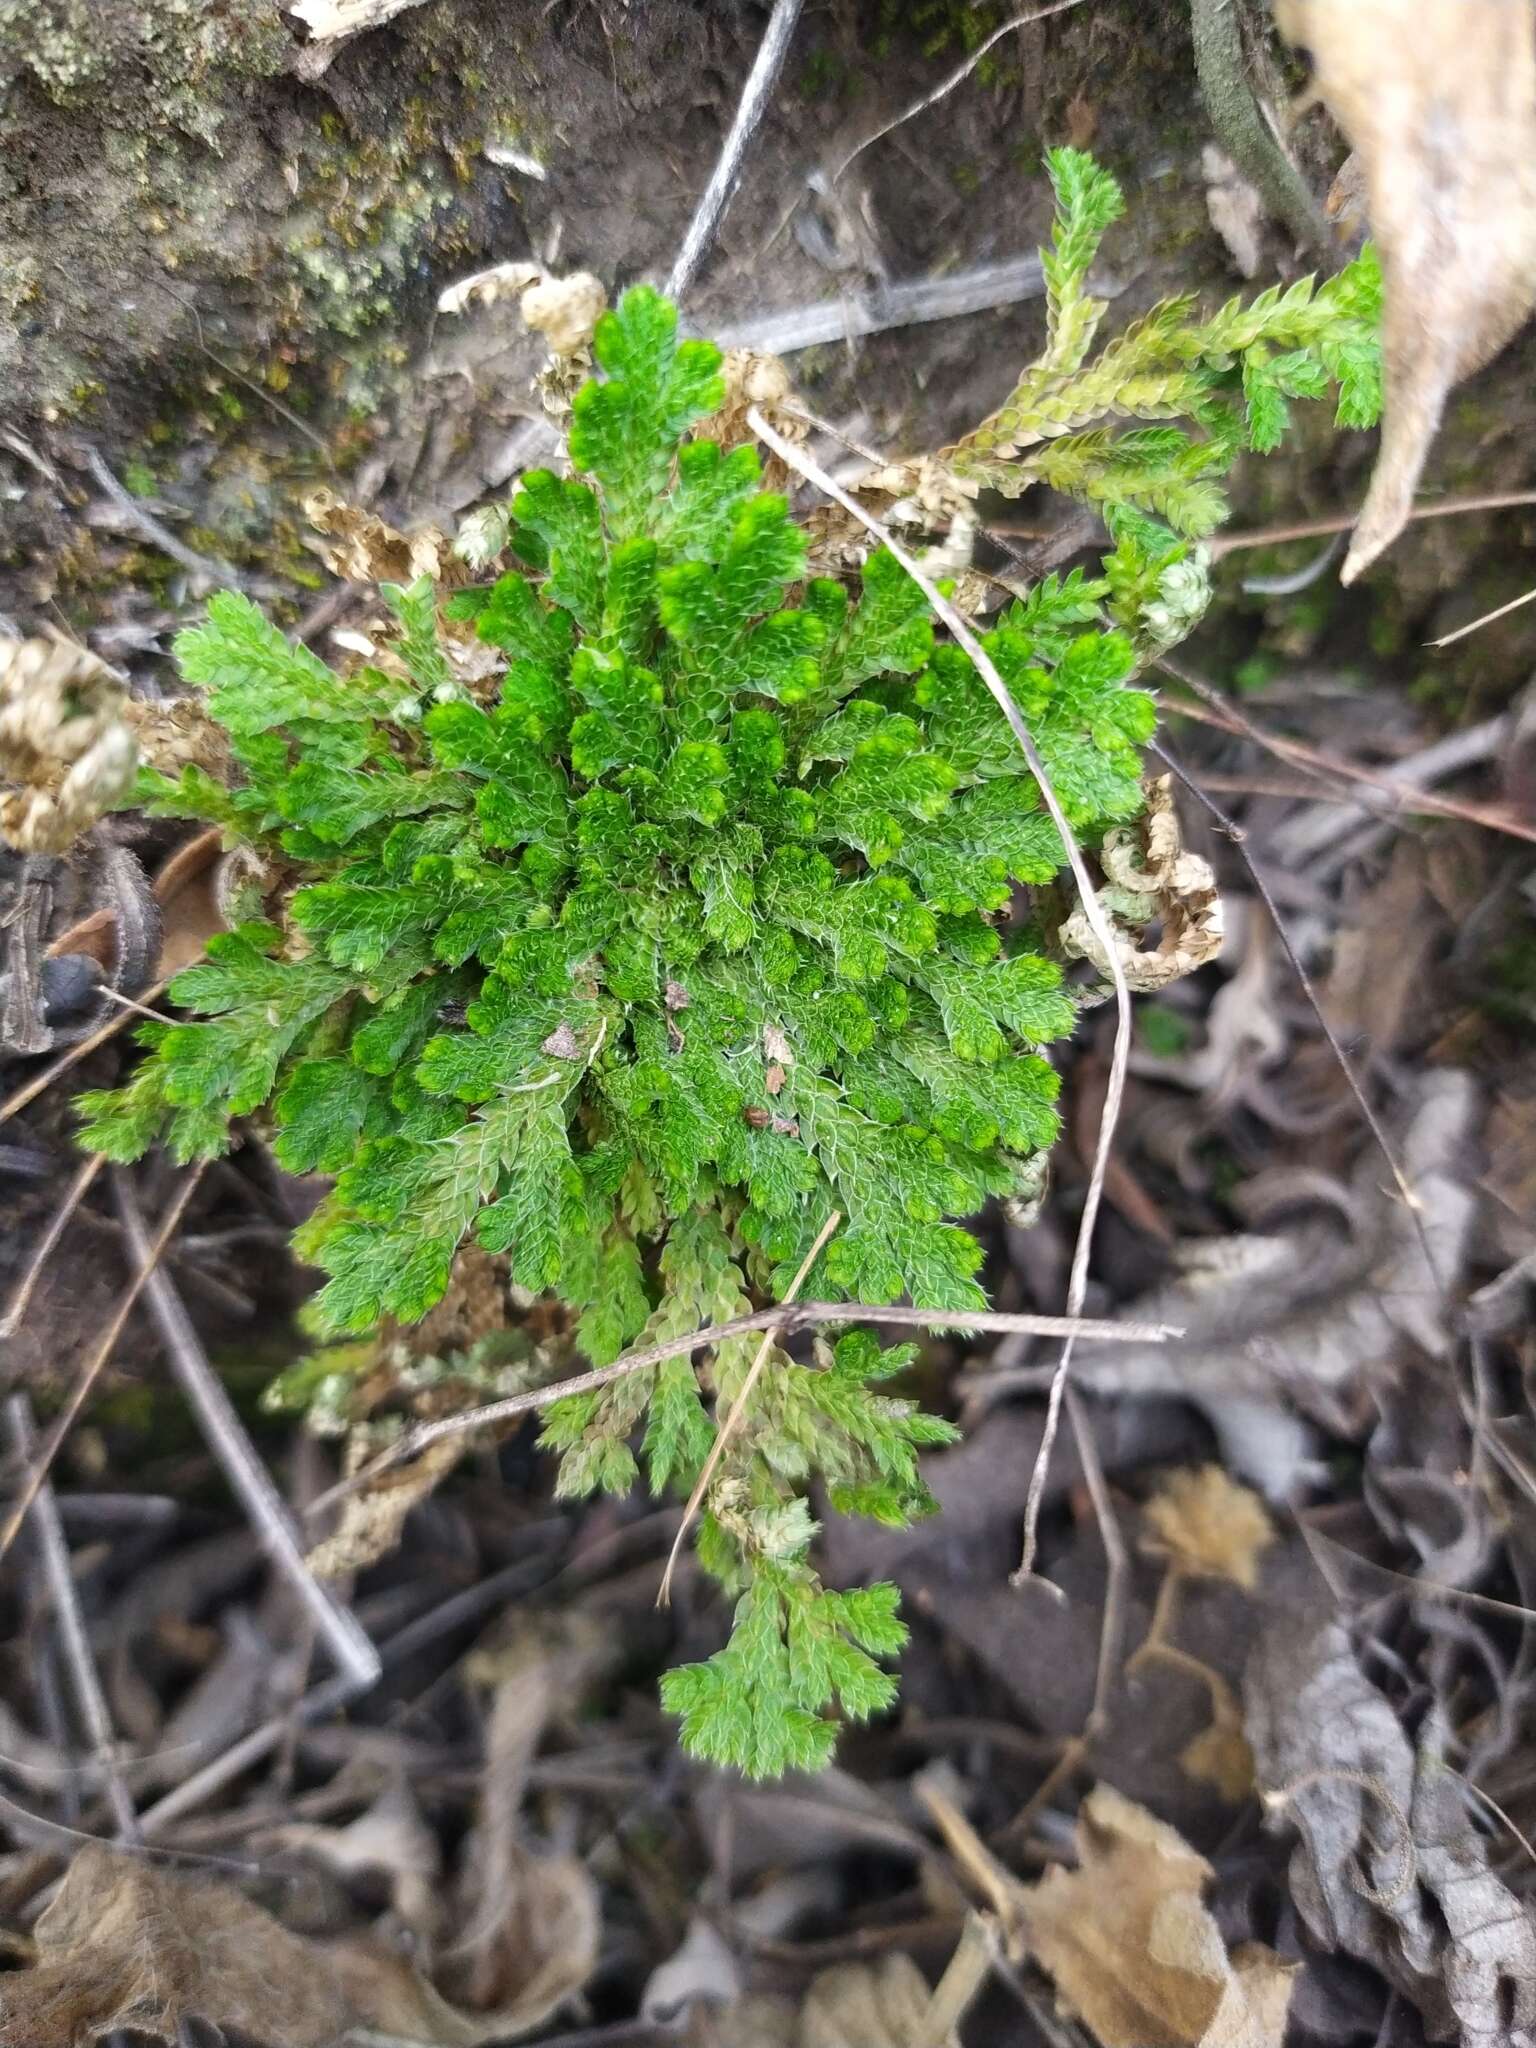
x=389, y=1836
x=1150, y=876
x=1438, y=100
x=367, y=549
x=126, y=1944
x=1311, y=1313
x=1424, y=1909
x=1133, y=1949
x=1208, y=1525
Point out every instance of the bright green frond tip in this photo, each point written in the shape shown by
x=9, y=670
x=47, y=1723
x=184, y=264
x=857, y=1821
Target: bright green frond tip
x=692, y=909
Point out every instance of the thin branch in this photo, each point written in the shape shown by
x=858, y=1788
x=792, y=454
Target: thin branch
x=1373, y=1123
x=58, y=1223
x=761, y=80
x=1500, y=612
x=855, y=314
x=86, y=1380
x=1117, y=1561
x=1093, y=910
x=352, y=1652
x=1220, y=712
x=738, y=1409
x=150, y=529
x=30, y=1090
x=955, y=78
x=1340, y=522
x=64, y=1598
x=784, y=1319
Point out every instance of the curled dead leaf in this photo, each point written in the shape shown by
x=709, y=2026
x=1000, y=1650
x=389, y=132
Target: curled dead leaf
x=125, y=1944
x=1438, y=100
x=1206, y=1524
x=1388, y=1866
x=367, y=549
x=1149, y=875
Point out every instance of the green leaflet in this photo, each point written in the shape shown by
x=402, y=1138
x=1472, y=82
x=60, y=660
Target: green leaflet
x=683, y=917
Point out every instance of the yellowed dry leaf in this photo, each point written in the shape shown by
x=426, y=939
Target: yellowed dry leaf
x=1438, y=100
x=1132, y=1948
x=372, y=1519
x=1206, y=1524
x=1219, y=1755
x=63, y=739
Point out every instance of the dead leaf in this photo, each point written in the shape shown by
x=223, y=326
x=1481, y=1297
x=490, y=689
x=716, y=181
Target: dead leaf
x=389, y=1836
x=1423, y=1907
x=367, y=549
x=1150, y=876
x=869, y=2005
x=1219, y=1755
x=1133, y=1949
x=63, y=739
x=1438, y=100
x=124, y=1944
x=373, y=1517
x=1208, y=1525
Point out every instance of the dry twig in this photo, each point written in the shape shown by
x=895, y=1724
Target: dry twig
x=90, y=1701
x=86, y=1379
x=353, y=1653
x=761, y=80
x=955, y=78
x=1093, y=910
x=738, y=1409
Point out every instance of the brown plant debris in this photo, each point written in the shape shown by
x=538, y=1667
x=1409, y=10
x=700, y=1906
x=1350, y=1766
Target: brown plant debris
x=63, y=738
x=1438, y=100
x=1133, y=1949
x=1149, y=875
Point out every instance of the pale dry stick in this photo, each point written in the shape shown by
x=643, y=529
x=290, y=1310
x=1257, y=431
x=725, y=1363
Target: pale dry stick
x=86, y=1380
x=738, y=1408
x=58, y=1223
x=149, y=528
x=1093, y=910
x=350, y=1648
x=63, y=1595
x=955, y=1993
x=30, y=1090
x=1116, y=1559
x=1476, y=625
x=914, y=304
x=795, y=1316
x=955, y=78
x=761, y=80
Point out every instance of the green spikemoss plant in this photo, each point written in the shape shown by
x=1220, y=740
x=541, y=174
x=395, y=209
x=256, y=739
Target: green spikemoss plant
x=692, y=925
